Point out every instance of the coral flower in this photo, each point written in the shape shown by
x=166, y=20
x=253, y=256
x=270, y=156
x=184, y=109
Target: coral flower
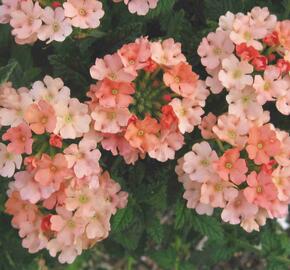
x=283, y=31
x=261, y=190
x=52, y=170
x=20, y=139
x=84, y=13
x=262, y=144
x=231, y=167
x=40, y=117
x=141, y=134
x=113, y=94
x=206, y=125
x=181, y=79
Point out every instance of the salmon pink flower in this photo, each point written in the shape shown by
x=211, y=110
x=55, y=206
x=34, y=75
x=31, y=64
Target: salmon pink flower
x=181, y=79
x=235, y=74
x=110, y=67
x=52, y=170
x=232, y=130
x=167, y=53
x=188, y=114
x=83, y=158
x=261, y=190
x=283, y=31
x=213, y=81
x=40, y=117
x=84, y=13
x=141, y=134
x=141, y=7
x=135, y=56
x=206, y=125
x=20, y=138
x=231, y=167
x=216, y=192
x=280, y=178
x=262, y=144
x=8, y=162
x=214, y=48
x=110, y=120
x=168, y=118
x=198, y=163
x=112, y=94
x=238, y=209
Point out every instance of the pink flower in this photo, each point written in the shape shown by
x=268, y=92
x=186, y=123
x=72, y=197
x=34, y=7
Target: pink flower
x=141, y=134
x=226, y=21
x=84, y=13
x=20, y=139
x=217, y=192
x=262, y=144
x=51, y=90
x=238, y=209
x=283, y=100
x=244, y=32
x=113, y=94
x=52, y=170
x=232, y=130
x=234, y=74
x=198, y=163
x=56, y=26
x=213, y=81
x=170, y=141
x=243, y=103
x=261, y=190
x=141, y=7
x=8, y=162
x=117, y=144
x=206, y=125
x=188, y=114
x=192, y=195
x=167, y=53
x=135, y=56
x=214, y=48
x=12, y=115
x=181, y=79
x=83, y=158
x=29, y=189
x=110, y=120
x=110, y=67
x=73, y=119
x=40, y=117
x=280, y=178
x=270, y=86
x=26, y=21
x=231, y=167
x=7, y=7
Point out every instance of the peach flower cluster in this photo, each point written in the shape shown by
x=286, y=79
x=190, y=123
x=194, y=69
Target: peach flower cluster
x=248, y=176
x=140, y=7
x=146, y=98
x=30, y=21
x=60, y=198
x=249, y=56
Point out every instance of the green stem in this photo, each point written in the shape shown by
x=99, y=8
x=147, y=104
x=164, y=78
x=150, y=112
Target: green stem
x=220, y=145
x=42, y=149
x=130, y=263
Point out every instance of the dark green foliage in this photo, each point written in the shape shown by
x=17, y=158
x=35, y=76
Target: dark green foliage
x=156, y=223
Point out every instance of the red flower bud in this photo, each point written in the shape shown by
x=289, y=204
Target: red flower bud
x=246, y=53
x=260, y=63
x=55, y=141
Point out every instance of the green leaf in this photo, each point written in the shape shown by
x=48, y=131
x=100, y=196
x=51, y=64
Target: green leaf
x=5, y=72
x=164, y=258
x=208, y=226
x=122, y=219
x=155, y=230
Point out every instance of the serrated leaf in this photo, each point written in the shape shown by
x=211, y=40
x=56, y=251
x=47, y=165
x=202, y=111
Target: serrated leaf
x=164, y=258
x=155, y=230
x=6, y=71
x=208, y=226
x=122, y=219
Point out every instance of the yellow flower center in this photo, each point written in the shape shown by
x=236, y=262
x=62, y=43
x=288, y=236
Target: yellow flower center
x=218, y=187
x=140, y=133
x=43, y=120
x=267, y=86
x=229, y=165
x=177, y=79
x=247, y=36
x=260, y=145
x=55, y=27
x=232, y=134
x=259, y=189
x=217, y=51
x=68, y=118
x=111, y=115
x=115, y=92
x=237, y=74
x=82, y=12
x=204, y=162
x=83, y=199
